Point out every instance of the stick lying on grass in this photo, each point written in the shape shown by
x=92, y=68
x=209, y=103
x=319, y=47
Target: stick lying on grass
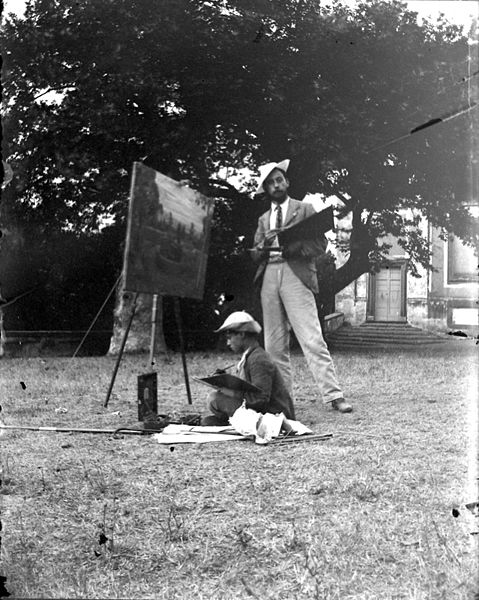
x=82, y=430
x=308, y=437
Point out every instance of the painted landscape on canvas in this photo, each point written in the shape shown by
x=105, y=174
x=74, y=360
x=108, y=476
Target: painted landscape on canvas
x=168, y=236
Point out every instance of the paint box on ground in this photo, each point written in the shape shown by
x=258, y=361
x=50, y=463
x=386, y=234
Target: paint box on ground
x=147, y=397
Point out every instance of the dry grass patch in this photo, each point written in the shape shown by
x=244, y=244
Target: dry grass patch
x=365, y=515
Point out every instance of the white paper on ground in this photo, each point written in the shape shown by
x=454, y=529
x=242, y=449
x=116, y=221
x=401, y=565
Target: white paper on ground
x=195, y=434
x=298, y=428
x=245, y=423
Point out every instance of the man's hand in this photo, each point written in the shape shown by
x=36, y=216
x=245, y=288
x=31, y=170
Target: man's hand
x=269, y=237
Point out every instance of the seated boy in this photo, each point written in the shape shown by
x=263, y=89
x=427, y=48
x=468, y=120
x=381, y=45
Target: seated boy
x=257, y=367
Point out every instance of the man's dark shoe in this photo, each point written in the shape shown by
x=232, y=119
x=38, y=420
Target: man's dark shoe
x=341, y=405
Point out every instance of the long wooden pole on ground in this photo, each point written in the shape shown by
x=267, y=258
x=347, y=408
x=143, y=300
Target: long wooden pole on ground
x=182, y=346
x=122, y=348
x=118, y=430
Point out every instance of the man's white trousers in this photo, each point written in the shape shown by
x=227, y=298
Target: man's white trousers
x=286, y=300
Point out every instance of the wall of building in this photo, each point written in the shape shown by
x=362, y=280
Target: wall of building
x=417, y=296
x=452, y=303
x=352, y=301
x=431, y=304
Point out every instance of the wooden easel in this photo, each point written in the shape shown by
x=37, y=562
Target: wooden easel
x=179, y=324
x=150, y=209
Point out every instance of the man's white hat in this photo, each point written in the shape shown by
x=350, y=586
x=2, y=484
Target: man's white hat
x=240, y=321
x=265, y=170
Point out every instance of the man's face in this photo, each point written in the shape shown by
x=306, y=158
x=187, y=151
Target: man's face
x=235, y=340
x=276, y=186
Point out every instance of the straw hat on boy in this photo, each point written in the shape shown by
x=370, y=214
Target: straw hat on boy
x=240, y=321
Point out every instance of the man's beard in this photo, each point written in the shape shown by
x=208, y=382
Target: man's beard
x=279, y=199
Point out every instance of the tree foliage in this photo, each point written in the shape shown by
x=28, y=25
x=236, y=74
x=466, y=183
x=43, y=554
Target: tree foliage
x=197, y=89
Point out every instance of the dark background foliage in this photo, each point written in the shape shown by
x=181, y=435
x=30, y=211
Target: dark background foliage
x=199, y=87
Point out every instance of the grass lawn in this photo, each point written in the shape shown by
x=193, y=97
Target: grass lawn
x=367, y=514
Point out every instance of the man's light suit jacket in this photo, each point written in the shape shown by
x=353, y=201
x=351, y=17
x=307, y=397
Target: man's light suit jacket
x=300, y=255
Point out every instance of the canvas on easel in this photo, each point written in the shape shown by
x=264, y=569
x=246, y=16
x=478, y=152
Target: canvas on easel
x=167, y=236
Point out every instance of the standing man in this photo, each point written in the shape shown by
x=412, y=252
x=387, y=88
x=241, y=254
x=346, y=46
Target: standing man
x=287, y=279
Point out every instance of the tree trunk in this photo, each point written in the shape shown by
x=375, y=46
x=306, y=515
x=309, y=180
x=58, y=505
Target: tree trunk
x=352, y=269
x=360, y=245
x=139, y=336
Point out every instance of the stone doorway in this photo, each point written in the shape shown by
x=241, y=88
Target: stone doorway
x=387, y=293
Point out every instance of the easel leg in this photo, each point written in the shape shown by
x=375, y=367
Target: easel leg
x=153, y=329
x=182, y=346
x=122, y=348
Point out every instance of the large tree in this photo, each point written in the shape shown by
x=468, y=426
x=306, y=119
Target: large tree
x=197, y=89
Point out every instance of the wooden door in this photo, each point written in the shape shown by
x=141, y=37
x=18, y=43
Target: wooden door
x=388, y=296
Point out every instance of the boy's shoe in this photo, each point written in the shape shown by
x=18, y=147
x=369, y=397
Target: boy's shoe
x=341, y=405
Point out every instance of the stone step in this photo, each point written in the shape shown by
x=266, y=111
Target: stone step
x=383, y=324
x=386, y=337
x=377, y=346
x=367, y=331
x=382, y=334
x=386, y=327
x=336, y=343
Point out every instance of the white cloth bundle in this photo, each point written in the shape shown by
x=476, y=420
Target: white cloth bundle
x=264, y=427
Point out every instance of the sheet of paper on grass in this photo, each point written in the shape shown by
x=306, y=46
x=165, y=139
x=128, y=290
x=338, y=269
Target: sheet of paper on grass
x=229, y=381
x=184, y=434
x=197, y=434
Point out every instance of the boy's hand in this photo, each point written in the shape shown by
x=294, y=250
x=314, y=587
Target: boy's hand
x=231, y=393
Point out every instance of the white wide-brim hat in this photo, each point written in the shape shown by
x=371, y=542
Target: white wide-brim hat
x=240, y=321
x=265, y=170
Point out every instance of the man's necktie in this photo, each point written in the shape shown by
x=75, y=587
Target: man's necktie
x=279, y=217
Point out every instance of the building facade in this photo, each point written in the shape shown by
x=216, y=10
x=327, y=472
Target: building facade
x=440, y=300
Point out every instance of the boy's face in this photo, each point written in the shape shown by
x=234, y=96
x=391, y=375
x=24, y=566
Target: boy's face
x=235, y=340
x=276, y=186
